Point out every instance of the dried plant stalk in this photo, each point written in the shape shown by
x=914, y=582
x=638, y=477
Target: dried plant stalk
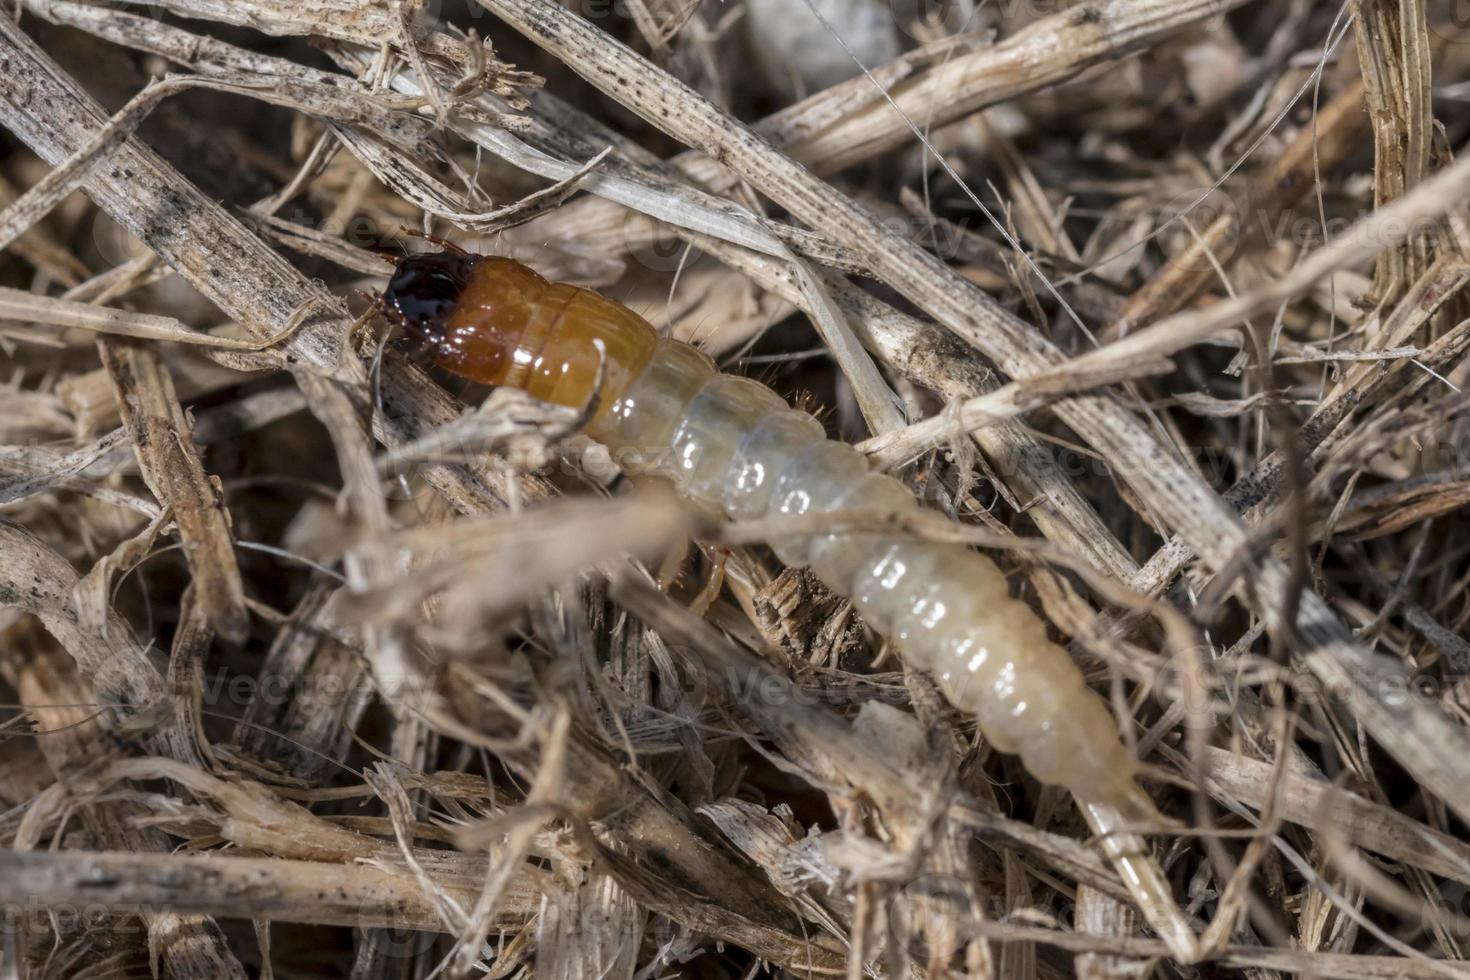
x=351, y=674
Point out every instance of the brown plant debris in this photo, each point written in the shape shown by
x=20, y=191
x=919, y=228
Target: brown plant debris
x=322, y=664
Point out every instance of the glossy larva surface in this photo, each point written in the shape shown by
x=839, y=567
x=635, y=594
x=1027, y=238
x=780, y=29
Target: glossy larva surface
x=642, y=418
x=763, y=454
x=732, y=443
x=813, y=481
x=705, y=441
x=837, y=558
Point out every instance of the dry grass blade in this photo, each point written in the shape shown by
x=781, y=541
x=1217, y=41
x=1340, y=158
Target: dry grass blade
x=162, y=436
x=30, y=308
x=424, y=680
x=281, y=891
x=937, y=85
x=1422, y=738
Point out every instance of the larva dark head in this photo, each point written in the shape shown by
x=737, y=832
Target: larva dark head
x=423, y=292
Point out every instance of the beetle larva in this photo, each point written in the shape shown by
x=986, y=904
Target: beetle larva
x=731, y=442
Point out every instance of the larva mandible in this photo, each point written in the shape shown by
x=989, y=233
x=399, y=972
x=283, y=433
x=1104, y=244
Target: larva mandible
x=732, y=442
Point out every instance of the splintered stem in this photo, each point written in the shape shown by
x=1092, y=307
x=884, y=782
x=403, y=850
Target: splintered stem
x=1130, y=856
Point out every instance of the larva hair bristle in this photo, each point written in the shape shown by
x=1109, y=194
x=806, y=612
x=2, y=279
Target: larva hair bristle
x=806, y=400
x=766, y=373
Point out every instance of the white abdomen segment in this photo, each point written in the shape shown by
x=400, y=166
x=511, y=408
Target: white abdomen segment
x=733, y=443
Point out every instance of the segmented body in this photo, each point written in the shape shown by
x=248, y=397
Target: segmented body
x=731, y=442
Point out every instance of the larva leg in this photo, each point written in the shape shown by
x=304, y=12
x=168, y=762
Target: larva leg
x=733, y=443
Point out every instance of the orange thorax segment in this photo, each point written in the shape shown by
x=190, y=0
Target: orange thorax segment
x=584, y=333
x=512, y=327
x=489, y=321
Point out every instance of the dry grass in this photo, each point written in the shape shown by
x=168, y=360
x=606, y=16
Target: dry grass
x=1158, y=301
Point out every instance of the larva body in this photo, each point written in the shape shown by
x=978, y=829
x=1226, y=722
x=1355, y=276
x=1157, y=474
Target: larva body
x=731, y=442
